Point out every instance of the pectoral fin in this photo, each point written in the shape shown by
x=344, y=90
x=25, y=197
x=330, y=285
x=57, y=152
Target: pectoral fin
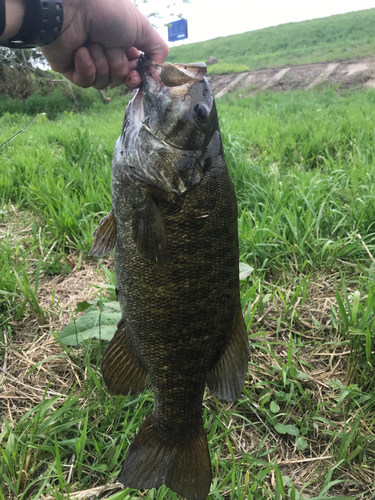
x=228, y=375
x=122, y=372
x=149, y=232
x=104, y=236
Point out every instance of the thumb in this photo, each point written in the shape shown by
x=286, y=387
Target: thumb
x=149, y=41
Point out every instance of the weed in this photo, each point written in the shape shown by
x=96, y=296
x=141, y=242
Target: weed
x=358, y=327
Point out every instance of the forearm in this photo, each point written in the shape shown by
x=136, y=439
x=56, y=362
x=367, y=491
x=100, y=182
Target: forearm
x=14, y=12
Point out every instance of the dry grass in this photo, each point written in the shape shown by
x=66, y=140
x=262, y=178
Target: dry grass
x=36, y=365
x=33, y=345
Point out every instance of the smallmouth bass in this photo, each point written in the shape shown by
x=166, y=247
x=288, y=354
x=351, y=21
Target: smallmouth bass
x=174, y=230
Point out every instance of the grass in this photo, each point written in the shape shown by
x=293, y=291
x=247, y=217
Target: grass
x=302, y=164
x=58, y=102
x=223, y=68
x=303, y=168
x=342, y=36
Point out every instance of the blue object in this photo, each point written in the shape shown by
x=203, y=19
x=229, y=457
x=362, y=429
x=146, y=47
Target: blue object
x=177, y=30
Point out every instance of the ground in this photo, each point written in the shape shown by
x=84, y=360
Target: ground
x=346, y=73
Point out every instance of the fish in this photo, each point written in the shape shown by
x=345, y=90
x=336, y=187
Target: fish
x=174, y=231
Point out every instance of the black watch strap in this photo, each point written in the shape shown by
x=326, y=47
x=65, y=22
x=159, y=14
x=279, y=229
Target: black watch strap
x=2, y=16
x=41, y=25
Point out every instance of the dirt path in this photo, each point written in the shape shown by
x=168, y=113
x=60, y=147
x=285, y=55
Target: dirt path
x=347, y=73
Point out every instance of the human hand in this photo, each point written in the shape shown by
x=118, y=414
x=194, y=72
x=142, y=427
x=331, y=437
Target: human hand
x=100, y=43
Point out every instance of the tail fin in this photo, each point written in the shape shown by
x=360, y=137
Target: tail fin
x=153, y=460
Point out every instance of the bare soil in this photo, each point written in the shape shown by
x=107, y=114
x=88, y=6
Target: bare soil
x=348, y=73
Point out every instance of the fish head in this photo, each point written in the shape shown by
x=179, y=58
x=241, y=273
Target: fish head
x=169, y=124
x=178, y=104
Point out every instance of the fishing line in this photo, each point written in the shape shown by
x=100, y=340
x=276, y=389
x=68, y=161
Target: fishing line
x=22, y=129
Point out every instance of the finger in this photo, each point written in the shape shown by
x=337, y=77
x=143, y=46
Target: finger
x=118, y=65
x=132, y=53
x=158, y=57
x=133, y=65
x=133, y=80
x=149, y=41
x=98, y=56
x=84, y=68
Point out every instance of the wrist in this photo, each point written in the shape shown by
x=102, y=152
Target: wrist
x=14, y=14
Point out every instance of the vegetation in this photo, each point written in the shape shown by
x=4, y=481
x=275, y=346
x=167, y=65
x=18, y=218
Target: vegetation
x=341, y=36
x=303, y=167
x=27, y=89
x=53, y=104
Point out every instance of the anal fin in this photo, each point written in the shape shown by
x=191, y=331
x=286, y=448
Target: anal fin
x=122, y=372
x=227, y=378
x=153, y=460
x=104, y=236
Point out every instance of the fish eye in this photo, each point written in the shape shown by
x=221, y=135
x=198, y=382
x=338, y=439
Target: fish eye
x=201, y=111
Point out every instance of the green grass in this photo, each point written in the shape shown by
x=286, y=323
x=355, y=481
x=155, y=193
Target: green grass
x=222, y=68
x=341, y=36
x=53, y=104
x=61, y=169
x=303, y=168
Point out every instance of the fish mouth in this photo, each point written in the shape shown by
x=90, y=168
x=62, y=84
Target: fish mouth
x=177, y=78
